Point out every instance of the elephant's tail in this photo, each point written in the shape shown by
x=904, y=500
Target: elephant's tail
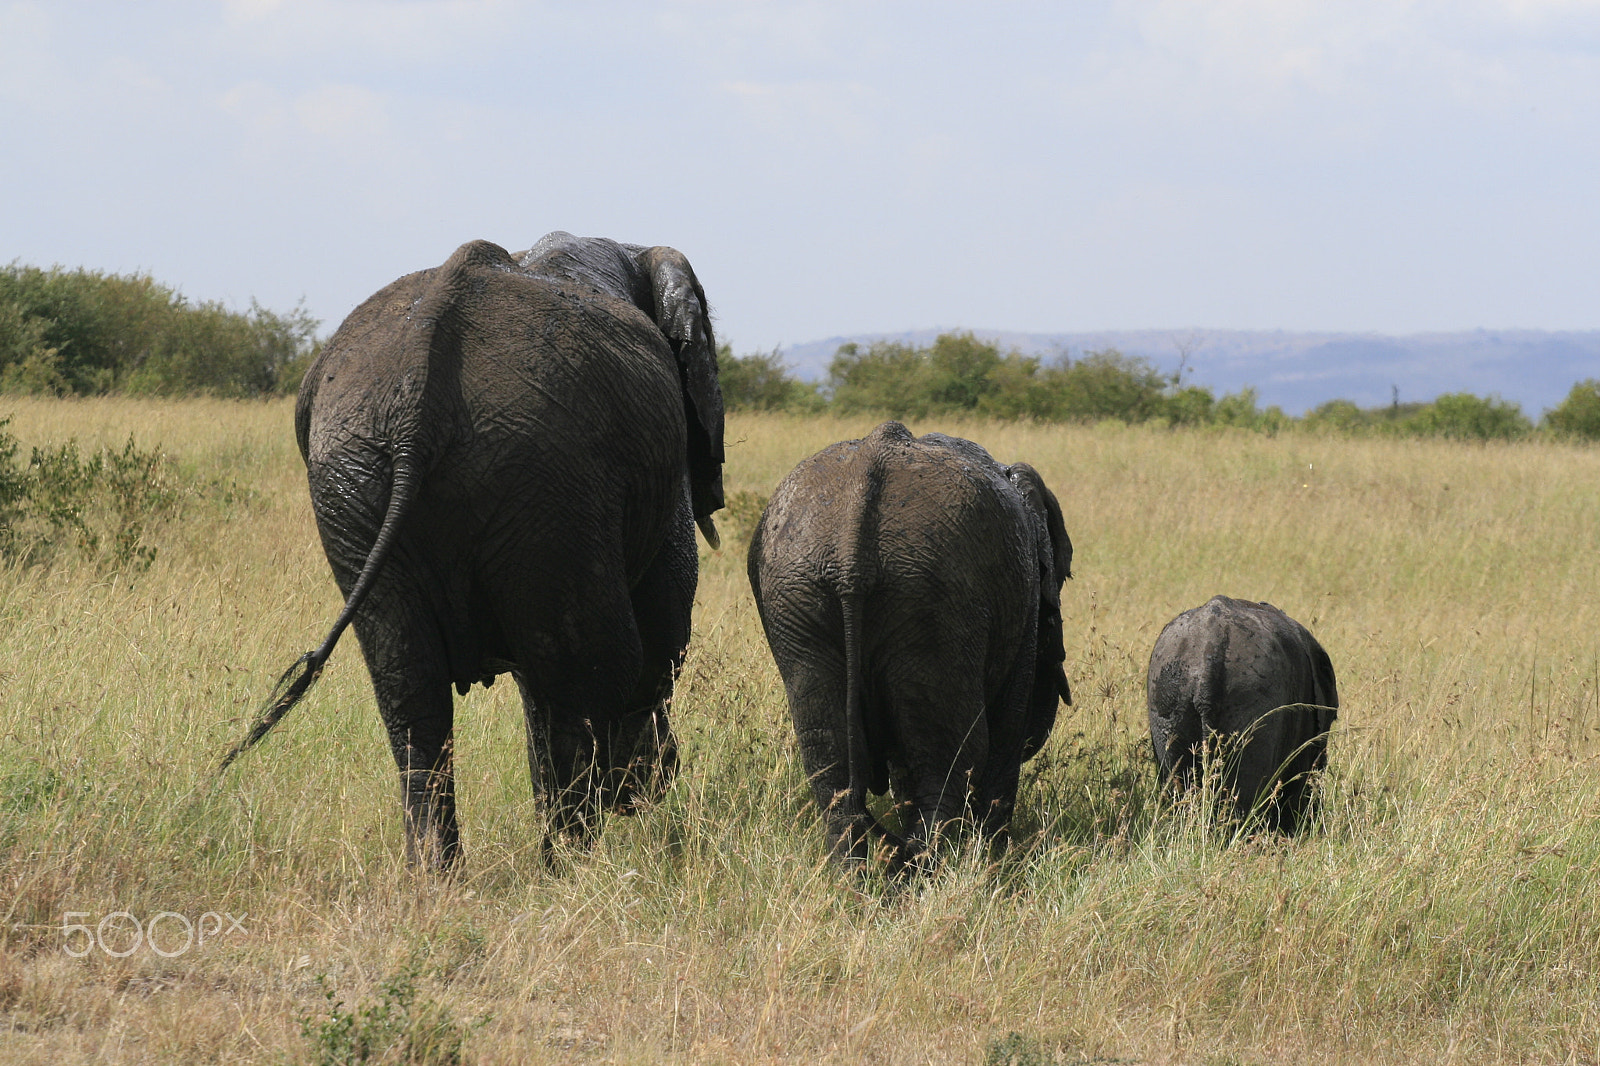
x=300, y=676
x=856, y=739
x=430, y=331
x=858, y=575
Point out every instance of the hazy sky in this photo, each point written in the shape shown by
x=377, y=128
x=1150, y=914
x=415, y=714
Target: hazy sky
x=835, y=167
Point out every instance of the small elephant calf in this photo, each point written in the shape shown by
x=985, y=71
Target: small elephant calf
x=1252, y=677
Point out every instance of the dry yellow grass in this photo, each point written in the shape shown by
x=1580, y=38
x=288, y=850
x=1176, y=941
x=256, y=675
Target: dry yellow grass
x=1448, y=911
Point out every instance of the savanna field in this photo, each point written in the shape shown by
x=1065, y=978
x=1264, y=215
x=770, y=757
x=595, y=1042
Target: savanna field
x=1446, y=908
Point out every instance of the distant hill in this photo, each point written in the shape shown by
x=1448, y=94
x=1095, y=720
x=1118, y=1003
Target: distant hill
x=1298, y=371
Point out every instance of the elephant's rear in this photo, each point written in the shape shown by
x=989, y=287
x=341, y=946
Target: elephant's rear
x=550, y=426
x=919, y=541
x=801, y=573
x=899, y=589
x=1252, y=677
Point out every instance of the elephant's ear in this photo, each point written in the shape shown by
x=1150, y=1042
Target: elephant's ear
x=1045, y=506
x=682, y=315
x=1053, y=550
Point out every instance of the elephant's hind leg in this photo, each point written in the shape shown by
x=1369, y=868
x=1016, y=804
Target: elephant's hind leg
x=943, y=733
x=814, y=678
x=994, y=803
x=579, y=664
x=645, y=751
x=406, y=661
x=426, y=761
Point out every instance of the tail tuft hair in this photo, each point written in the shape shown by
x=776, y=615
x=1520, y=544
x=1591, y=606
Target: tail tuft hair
x=285, y=694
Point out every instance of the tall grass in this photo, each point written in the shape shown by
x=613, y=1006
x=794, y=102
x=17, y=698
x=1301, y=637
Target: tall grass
x=1446, y=909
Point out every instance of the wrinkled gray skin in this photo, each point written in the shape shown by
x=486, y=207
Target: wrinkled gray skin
x=910, y=591
x=1231, y=665
x=507, y=458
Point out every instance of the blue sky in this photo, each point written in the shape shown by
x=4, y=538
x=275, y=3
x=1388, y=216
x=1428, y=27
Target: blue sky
x=835, y=168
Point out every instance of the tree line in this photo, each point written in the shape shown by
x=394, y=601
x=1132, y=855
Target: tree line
x=960, y=374
x=81, y=332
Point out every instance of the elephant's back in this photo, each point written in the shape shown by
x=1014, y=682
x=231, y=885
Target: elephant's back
x=356, y=370
x=911, y=524
x=1233, y=660
x=946, y=514
x=549, y=418
x=571, y=423
x=557, y=351
x=515, y=342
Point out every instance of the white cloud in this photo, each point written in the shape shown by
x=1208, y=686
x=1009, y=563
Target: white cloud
x=391, y=31
x=815, y=115
x=343, y=113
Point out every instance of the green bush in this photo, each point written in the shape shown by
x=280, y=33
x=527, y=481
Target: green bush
x=101, y=505
x=1191, y=405
x=964, y=372
x=1108, y=385
x=887, y=377
x=1463, y=416
x=82, y=332
x=1579, y=414
x=960, y=374
x=400, y=1027
x=1341, y=415
x=1240, y=409
x=744, y=511
x=761, y=382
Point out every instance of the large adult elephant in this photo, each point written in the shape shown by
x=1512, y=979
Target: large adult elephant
x=507, y=458
x=910, y=589
x=1247, y=680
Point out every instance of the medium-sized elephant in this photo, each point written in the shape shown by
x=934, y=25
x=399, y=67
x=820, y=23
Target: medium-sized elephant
x=910, y=590
x=1249, y=680
x=507, y=458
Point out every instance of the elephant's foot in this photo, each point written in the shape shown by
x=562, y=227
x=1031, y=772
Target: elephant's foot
x=433, y=837
x=645, y=761
x=574, y=821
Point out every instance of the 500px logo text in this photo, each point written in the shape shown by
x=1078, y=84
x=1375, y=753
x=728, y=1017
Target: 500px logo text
x=168, y=934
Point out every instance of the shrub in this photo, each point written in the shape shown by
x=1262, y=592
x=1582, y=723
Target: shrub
x=959, y=373
x=1579, y=414
x=761, y=382
x=963, y=371
x=83, y=332
x=744, y=514
x=1342, y=415
x=101, y=505
x=1191, y=405
x=399, y=1027
x=1107, y=385
x=1463, y=416
x=890, y=378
